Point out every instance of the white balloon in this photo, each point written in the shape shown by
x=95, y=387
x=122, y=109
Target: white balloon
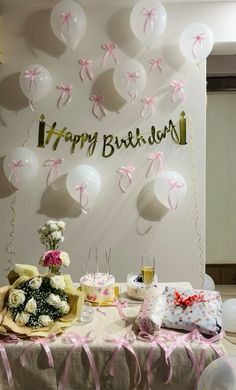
x=35, y=82
x=129, y=79
x=170, y=189
x=209, y=283
x=68, y=22
x=229, y=315
x=84, y=184
x=20, y=166
x=148, y=20
x=196, y=42
x=219, y=375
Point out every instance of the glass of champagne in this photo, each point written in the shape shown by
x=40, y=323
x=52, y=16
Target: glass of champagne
x=148, y=270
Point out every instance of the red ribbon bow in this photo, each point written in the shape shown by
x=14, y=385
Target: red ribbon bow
x=188, y=301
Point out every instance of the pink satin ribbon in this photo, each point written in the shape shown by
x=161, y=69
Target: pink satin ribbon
x=82, y=188
x=174, y=185
x=198, y=38
x=32, y=75
x=177, y=86
x=156, y=162
x=126, y=173
x=156, y=63
x=78, y=341
x=44, y=342
x=98, y=109
x=66, y=18
x=14, y=171
x=54, y=171
x=85, y=69
x=124, y=342
x=149, y=14
x=65, y=96
x=120, y=306
x=7, y=340
x=148, y=109
x=131, y=83
x=109, y=51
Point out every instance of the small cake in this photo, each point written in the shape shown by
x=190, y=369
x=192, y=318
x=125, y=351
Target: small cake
x=98, y=287
x=136, y=288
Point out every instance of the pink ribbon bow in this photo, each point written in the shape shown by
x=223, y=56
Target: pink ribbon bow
x=7, y=340
x=85, y=69
x=149, y=14
x=124, y=342
x=198, y=38
x=174, y=185
x=126, y=173
x=54, y=171
x=32, y=75
x=109, y=51
x=44, y=342
x=65, y=96
x=120, y=306
x=148, y=107
x=78, y=341
x=98, y=106
x=66, y=18
x=156, y=162
x=156, y=63
x=177, y=86
x=83, y=199
x=14, y=171
x=132, y=84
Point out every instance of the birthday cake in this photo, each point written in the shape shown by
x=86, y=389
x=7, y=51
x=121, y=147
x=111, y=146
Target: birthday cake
x=136, y=288
x=98, y=287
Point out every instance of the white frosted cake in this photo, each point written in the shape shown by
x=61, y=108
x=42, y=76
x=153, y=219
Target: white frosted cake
x=136, y=288
x=98, y=287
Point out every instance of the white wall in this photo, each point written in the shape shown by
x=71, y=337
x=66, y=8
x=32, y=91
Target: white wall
x=113, y=220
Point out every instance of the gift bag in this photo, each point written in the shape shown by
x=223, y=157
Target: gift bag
x=188, y=309
x=151, y=312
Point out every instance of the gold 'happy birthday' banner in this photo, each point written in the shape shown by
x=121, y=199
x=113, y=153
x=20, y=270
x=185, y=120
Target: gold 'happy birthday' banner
x=110, y=142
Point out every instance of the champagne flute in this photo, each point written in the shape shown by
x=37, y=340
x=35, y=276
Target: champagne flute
x=148, y=270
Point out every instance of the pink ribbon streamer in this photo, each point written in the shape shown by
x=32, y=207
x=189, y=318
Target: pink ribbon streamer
x=198, y=38
x=66, y=18
x=78, y=341
x=148, y=109
x=124, y=342
x=85, y=69
x=44, y=342
x=177, y=86
x=109, y=51
x=156, y=63
x=54, y=171
x=174, y=185
x=98, y=109
x=131, y=87
x=82, y=188
x=156, y=162
x=120, y=306
x=32, y=75
x=126, y=173
x=65, y=96
x=14, y=171
x=149, y=14
x=7, y=340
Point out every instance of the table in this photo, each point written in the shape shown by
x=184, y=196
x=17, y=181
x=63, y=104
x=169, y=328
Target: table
x=36, y=375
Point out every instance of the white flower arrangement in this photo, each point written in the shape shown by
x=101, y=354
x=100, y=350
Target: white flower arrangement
x=51, y=234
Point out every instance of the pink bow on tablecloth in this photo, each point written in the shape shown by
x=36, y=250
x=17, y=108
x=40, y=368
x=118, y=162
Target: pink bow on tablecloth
x=109, y=51
x=7, y=340
x=126, y=172
x=78, y=341
x=85, y=69
x=44, y=342
x=156, y=162
x=54, y=171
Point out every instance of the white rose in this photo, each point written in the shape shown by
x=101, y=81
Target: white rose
x=62, y=239
x=16, y=298
x=36, y=282
x=22, y=318
x=53, y=227
x=65, y=258
x=56, y=235
x=45, y=320
x=61, y=225
x=31, y=306
x=54, y=300
x=58, y=282
x=64, y=307
x=51, y=222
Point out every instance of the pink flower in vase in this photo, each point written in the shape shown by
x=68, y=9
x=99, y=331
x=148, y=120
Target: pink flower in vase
x=106, y=292
x=52, y=259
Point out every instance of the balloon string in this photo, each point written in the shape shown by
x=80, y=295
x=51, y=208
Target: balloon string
x=196, y=205
x=8, y=246
x=28, y=135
